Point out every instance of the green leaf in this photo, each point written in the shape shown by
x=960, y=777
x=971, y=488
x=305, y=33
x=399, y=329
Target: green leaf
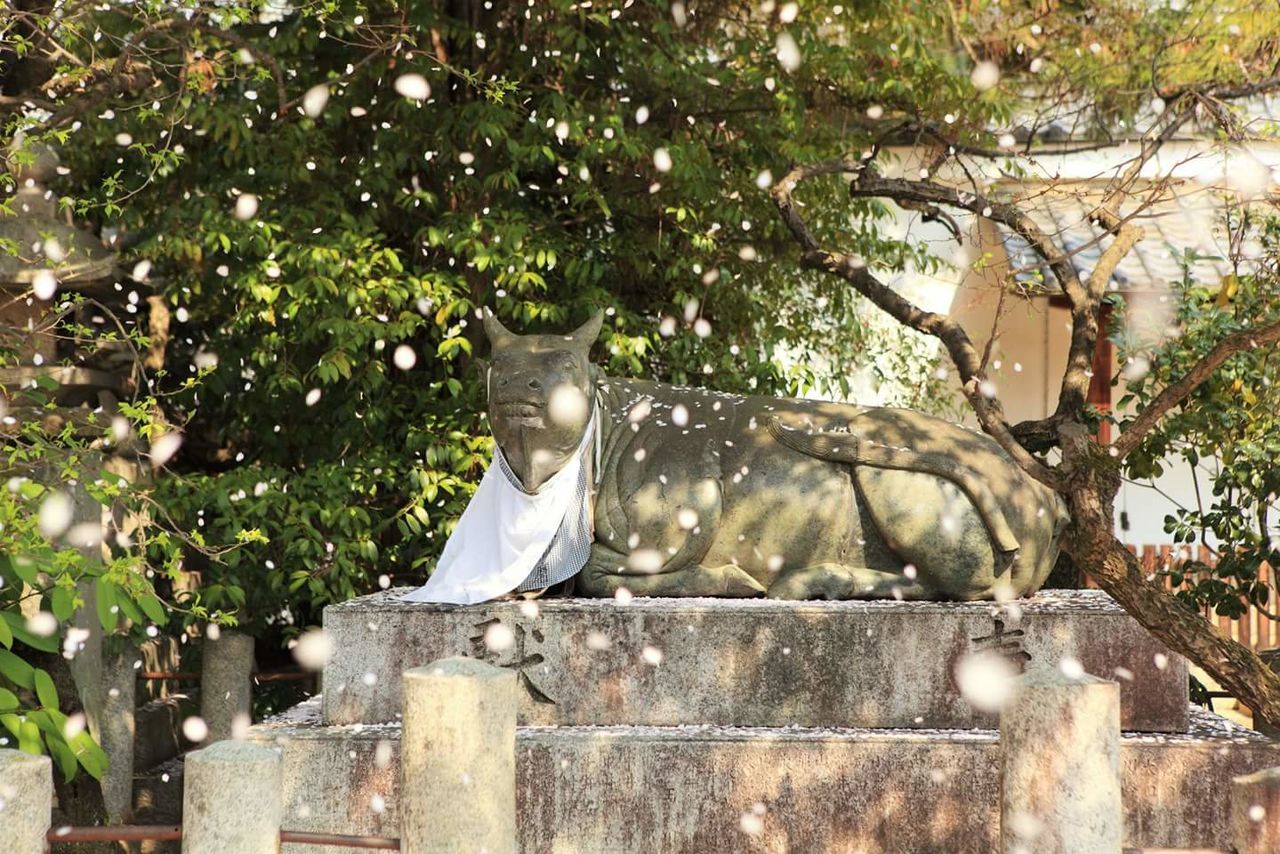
x=154, y=610
x=45, y=690
x=8, y=700
x=19, y=629
x=65, y=757
x=25, y=568
x=105, y=599
x=91, y=757
x=29, y=738
x=130, y=609
x=7, y=569
x=62, y=602
x=6, y=634
x=11, y=722
x=42, y=719
x=16, y=670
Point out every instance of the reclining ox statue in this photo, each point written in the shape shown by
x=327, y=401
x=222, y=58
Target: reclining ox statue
x=689, y=492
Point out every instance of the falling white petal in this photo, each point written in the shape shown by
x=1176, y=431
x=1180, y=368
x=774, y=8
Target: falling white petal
x=315, y=100
x=413, y=86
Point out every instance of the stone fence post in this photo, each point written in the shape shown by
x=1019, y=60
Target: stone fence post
x=1060, y=765
x=226, y=684
x=457, y=759
x=117, y=728
x=1255, y=812
x=26, y=801
x=232, y=801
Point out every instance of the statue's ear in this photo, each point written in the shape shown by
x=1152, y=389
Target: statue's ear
x=586, y=334
x=484, y=368
x=498, y=334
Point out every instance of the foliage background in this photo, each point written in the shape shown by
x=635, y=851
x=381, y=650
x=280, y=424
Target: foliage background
x=569, y=156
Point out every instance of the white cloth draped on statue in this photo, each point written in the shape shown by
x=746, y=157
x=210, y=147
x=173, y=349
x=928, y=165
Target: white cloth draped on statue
x=504, y=532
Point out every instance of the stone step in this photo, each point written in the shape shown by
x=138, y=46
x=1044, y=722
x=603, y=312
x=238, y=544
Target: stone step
x=752, y=662
x=741, y=789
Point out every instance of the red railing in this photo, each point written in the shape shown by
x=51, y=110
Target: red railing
x=173, y=833
x=1255, y=629
x=192, y=676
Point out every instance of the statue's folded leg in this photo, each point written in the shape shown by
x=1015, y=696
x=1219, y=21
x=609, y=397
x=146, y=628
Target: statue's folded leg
x=601, y=577
x=834, y=581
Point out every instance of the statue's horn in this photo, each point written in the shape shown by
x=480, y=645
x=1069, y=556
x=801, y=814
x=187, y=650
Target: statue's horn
x=587, y=333
x=494, y=329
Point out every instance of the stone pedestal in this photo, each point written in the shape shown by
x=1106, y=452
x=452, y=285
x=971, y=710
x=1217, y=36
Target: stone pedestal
x=231, y=799
x=739, y=789
x=666, y=662
x=752, y=726
x=1060, y=765
x=26, y=801
x=226, y=684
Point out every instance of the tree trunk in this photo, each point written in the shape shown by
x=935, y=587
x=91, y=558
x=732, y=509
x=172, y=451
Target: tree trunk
x=1093, y=546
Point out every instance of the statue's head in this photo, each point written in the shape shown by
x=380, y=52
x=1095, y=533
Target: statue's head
x=540, y=389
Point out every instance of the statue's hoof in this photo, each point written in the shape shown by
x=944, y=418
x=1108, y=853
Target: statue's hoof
x=738, y=584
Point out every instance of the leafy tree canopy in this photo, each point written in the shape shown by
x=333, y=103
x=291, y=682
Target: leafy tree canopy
x=323, y=194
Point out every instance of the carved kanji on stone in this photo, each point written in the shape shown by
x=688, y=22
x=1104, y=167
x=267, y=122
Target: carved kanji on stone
x=1005, y=643
x=515, y=657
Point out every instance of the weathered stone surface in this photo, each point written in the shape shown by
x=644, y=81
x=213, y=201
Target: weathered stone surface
x=457, y=759
x=665, y=662
x=1255, y=812
x=231, y=799
x=117, y=731
x=687, y=789
x=226, y=686
x=26, y=801
x=1060, y=765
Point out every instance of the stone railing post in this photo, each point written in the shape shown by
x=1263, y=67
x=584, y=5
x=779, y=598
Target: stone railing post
x=117, y=728
x=232, y=801
x=26, y=801
x=226, y=684
x=457, y=759
x=1060, y=765
x=1255, y=812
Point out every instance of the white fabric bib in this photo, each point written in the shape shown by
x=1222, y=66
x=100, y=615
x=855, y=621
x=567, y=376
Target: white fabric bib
x=503, y=533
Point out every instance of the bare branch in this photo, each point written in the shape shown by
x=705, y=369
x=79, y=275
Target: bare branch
x=1225, y=93
x=26, y=101
x=98, y=86
x=1008, y=215
x=952, y=335
x=1173, y=394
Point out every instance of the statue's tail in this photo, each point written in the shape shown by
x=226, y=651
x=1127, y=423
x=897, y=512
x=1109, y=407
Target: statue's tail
x=848, y=448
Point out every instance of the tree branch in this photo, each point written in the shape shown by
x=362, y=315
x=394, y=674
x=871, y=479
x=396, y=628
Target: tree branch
x=1175, y=393
x=952, y=335
x=136, y=41
x=870, y=184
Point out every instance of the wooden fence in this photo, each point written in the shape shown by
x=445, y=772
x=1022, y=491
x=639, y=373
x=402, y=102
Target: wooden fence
x=1255, y=629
